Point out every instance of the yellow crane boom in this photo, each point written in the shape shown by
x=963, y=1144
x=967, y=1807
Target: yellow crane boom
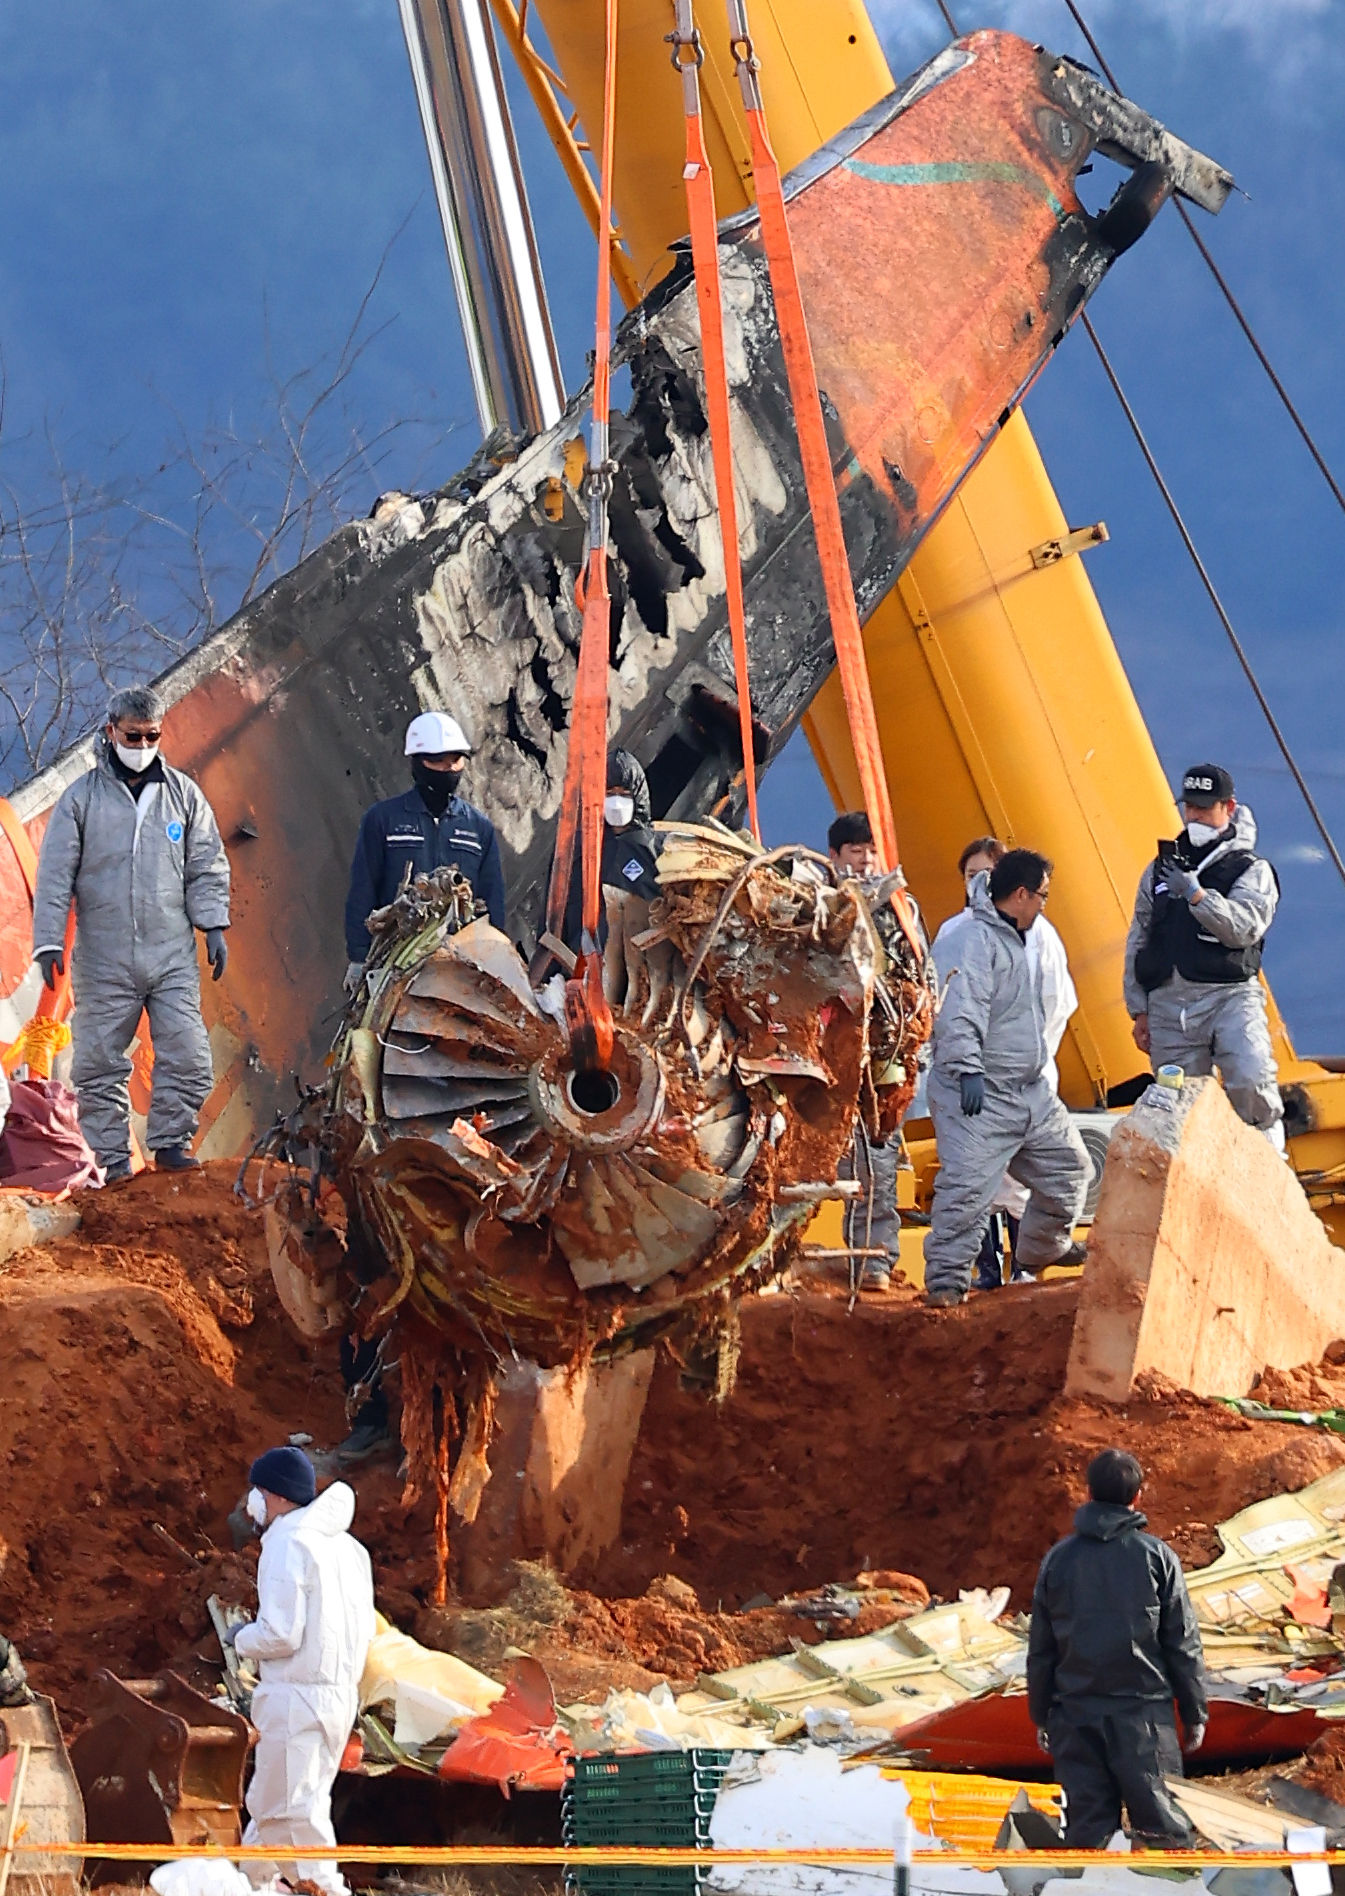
x=1003, y=703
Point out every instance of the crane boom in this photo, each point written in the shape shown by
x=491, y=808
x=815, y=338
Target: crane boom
x=1028, y=726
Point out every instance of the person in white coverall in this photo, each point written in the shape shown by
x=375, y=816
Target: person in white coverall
x=134, y=844
x=1058, y=1000
x=1193, y=954
x=992, y=1104
x=310, y=1639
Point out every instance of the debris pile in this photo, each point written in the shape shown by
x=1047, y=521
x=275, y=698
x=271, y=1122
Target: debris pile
x=146, y=1360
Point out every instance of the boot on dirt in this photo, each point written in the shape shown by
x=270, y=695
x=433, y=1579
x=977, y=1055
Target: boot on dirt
x=944, y=1299
x=364, y=1441
x=1077, y=1254
x=175, y=1159
x=116, y=1171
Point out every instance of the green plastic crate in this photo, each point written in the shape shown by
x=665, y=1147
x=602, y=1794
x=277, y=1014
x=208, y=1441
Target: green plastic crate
x=649, y=1799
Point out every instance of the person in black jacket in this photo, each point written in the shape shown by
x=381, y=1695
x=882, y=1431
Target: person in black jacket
x=1193, y=954
x=1113, y=1643
x=428, y=827
x=629, y=846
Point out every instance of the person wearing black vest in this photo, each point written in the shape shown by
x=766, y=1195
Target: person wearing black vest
x=1194, y=951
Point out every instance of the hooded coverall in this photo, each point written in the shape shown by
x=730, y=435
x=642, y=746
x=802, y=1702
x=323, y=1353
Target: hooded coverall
x=1058, y=999
x=629, y=860
x=1198, y=1025
x=315, y=1620
x=143, y=873
x=990, y=1023
x=1113, y=1642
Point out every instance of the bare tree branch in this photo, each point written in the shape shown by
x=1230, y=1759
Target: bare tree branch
x=102, y=581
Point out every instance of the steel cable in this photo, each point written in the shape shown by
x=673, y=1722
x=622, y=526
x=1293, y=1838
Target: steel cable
x=1224, y=286
x=1238, y=649
x=1214, y=598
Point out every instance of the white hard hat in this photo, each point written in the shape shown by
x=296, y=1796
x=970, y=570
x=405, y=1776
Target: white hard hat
x=433, y=733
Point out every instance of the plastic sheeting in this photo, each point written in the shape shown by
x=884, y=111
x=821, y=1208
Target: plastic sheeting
x=432, y=1693
x=803, y=1799
x=42, y=1148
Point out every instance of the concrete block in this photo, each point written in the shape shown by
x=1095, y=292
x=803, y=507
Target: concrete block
x=28, y=1218
x=560, y=1452
x=1206, y=1263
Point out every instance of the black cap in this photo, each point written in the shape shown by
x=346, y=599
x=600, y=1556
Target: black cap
x=1205, y=784
x=287, y=1472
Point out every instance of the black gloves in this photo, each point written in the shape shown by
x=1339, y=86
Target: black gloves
x=217, y=953
x=52, y=962
x=973, y=1093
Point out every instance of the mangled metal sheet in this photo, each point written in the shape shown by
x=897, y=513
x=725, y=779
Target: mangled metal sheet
x=923, y=1664
x=949, y=1684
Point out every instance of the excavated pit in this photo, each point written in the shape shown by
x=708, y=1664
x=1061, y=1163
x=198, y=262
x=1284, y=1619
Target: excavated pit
x=146, y=1360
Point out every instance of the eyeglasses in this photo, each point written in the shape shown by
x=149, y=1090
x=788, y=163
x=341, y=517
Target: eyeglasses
x=140, y=737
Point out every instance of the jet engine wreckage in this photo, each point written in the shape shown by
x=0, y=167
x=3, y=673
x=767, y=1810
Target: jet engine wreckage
x=472, y=1190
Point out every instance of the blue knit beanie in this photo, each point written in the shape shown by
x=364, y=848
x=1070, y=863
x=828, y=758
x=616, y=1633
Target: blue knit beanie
x=286, y=1472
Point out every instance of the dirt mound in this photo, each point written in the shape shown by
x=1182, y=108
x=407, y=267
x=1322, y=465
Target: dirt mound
x=146, y=1361
x=589, y=1644
x=1322, y=1767
x=932, y=1441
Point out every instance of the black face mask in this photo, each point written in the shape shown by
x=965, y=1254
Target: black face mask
x=437, y=787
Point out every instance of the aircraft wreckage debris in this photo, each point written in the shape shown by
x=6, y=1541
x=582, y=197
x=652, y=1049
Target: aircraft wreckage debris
x=458, y=1179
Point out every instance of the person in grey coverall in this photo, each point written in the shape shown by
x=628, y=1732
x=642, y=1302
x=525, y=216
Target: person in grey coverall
x=872, y=1221
x=993, y=1106
x=1113, y=1643
x=135, y=845
x=1193, y=954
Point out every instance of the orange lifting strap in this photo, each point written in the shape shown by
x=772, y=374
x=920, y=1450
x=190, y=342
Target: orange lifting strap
x=686, y=40
x=817, y=472
x=587, y=1016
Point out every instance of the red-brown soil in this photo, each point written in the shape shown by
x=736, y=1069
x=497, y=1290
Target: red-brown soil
x=146, y=1361
x=936, y=1442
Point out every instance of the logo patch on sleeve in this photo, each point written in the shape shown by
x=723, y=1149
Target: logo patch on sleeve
x=633, y=870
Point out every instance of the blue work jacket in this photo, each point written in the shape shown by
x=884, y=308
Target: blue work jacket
x=402, y=831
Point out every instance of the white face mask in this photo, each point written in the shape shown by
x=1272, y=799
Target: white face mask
x=137, y=760
x=618, y=811
x=1202, y=833
x=256, y=1506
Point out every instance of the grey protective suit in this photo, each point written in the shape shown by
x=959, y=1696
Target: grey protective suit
x=872, y=1221
x=1198, y=1025
x=143, y=874
x=990, y=1023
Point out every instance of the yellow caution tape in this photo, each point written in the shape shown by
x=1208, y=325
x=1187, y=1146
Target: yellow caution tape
x=628, y=1855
